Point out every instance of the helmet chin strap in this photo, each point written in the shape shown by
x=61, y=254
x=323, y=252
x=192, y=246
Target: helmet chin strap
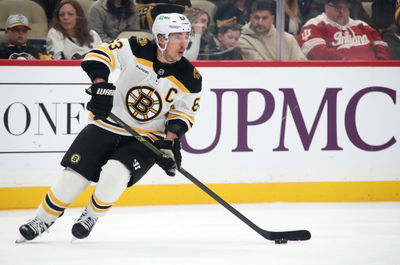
x=159, y=46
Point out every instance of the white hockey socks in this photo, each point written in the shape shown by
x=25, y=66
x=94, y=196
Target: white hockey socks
x=61, y=194
x=113, y=180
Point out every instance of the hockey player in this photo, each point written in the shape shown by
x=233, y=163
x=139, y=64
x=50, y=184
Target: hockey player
x=157, y=93
x=333, y=35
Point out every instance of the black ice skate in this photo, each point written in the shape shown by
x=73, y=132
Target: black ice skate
x=83, y=225
x=32, y=229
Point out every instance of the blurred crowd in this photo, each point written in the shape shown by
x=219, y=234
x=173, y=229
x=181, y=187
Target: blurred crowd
x=222, y=29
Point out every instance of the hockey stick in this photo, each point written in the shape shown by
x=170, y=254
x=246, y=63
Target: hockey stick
x=278, y=237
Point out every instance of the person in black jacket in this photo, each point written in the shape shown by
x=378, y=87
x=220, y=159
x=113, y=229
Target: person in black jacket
x=383, y=12
x=312, y=8
x=391, y=35
x=149, y=9
x=228, y=36
x=232, y=11
x=16, y=31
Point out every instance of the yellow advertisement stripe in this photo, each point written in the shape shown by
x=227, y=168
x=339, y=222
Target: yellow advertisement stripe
x=363, y=191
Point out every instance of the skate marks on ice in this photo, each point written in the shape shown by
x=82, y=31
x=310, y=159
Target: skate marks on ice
x=343, y=233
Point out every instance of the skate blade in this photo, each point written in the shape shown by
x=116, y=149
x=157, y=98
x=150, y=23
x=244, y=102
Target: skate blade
x=20, y=239
x=73, y=239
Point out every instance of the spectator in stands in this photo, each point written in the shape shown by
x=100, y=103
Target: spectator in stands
x=293, y=20
x=232, y=11
x=16, y=31
x=228, y=36
x=311, y=8
x=358, y=12
x=149, y=9
x=237, y=10
x=333, y=35
x=258, y=38
x=202, y=44
x=392, y=35
x=70, y=37
x=383, y=13
x=111, y=17
x=48, y=6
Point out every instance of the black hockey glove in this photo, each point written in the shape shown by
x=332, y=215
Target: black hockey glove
x=172, y=158
x=102, y=99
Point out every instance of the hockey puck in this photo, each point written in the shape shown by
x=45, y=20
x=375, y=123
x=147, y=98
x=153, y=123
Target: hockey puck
x=281, y=241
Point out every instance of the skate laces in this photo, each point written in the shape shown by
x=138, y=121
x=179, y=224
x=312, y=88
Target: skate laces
x=38, y=226
x=86, y=220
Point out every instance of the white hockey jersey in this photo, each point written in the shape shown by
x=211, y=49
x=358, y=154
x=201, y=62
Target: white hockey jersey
x=150, y=96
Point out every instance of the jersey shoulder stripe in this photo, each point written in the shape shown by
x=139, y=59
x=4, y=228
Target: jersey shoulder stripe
x=188, y=75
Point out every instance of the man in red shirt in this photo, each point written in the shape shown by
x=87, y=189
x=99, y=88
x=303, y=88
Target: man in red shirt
x=333, y=35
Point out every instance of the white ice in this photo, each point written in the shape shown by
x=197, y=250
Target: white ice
x=342, y=234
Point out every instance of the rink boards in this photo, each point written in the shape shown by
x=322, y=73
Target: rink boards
x=266, y=131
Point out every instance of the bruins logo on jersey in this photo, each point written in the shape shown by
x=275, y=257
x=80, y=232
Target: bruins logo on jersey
x=142, y=41
x=144, y=103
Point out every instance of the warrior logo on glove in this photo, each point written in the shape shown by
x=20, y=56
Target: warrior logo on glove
x=101, y=102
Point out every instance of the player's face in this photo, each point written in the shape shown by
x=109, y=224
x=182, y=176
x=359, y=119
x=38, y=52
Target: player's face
x=338, y=12
x=176, y=46
x=261, y=21
x=67, y=17
x=229, y=39
x=17, y=35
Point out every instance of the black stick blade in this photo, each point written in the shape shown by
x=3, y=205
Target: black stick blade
x=297, y=235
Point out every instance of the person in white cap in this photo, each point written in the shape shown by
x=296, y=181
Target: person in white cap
x=16, y=31
x=157, y=93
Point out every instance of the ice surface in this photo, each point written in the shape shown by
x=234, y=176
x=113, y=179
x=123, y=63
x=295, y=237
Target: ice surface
x=342, y=234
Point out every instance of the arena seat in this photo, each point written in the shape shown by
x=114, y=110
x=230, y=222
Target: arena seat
x=139, y=34
x=3, y=37
x=367, y=7
x=207, y=6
